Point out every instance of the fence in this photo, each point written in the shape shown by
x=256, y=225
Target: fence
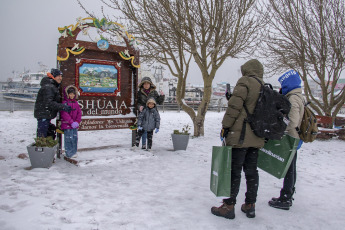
x=168, y=106
x=15, y=105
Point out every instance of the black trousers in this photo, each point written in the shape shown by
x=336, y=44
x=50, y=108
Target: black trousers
x=149, y=138
x=289, y=180
x=246, y=159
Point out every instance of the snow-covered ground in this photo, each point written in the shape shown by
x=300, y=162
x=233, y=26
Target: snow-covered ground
x=162, y=189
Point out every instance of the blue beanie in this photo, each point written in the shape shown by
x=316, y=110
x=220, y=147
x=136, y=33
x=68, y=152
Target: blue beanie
x=289, y=81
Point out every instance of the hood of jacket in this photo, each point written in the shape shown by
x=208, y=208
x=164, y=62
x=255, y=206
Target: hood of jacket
x=253, y=68
x=152, y=100
x=65, y=94
x=147, y=79
x=46, y=80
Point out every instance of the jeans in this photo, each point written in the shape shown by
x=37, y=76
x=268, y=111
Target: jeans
x=289, y=180
x=71, y=141
x=42, y=127
x=143, y=138
x=246, y=159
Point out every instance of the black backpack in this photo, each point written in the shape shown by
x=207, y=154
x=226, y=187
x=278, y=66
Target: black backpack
x=269, y=119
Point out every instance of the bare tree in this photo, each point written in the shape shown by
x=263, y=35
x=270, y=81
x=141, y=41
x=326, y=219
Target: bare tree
x=174, y=32
x=309, y=36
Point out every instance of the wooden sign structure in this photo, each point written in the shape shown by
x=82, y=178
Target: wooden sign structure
x=104, y=74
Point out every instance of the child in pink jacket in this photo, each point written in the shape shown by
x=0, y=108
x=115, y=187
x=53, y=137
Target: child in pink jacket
x=70, y=121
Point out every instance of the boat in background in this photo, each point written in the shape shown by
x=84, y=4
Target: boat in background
x=23, y=88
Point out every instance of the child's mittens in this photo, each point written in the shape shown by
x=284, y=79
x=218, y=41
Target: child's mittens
x=75, y=125
x=140, y=128
x=157, y=130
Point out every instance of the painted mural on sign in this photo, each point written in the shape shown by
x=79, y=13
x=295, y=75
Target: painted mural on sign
x=96, y=78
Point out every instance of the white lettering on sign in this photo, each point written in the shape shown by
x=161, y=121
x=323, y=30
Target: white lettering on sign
x=268, y=152
x=102, y=107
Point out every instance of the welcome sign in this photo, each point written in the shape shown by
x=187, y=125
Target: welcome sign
x=104, y=74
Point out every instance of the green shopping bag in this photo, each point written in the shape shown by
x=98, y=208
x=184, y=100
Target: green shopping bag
x=220, y=183
x=276, y=155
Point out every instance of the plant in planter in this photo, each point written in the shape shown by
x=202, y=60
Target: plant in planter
x=42, y=152
x=180, y=138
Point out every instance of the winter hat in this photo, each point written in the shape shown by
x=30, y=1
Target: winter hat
x=289, y=81
x=55, y=72
x=152, y=100
x=70, y=90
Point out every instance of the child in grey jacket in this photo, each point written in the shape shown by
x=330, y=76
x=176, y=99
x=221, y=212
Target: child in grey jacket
x=148, y=121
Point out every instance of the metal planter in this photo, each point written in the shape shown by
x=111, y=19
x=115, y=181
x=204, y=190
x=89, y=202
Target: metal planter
x=41, y=157
x=180, y=142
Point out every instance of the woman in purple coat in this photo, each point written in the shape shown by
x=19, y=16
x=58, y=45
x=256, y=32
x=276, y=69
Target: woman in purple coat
x=70, y=121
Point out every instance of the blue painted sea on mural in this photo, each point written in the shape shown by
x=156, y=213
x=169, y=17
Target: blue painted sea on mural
x=98, y=90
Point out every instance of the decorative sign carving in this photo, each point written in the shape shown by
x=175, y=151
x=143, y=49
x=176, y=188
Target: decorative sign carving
x=106, y=80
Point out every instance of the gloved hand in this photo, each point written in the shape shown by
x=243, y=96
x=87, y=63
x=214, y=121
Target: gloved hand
x=228, y=95
x=224, y=133
x=67, y=108
x=140, y=128
x=75, y=125
x=157, y=130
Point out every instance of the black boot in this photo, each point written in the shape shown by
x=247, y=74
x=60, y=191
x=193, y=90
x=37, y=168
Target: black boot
x=284, y=201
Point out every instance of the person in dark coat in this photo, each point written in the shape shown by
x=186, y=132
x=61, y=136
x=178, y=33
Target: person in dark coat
x=244, y=154
x=48, y=100
x=147, y=90
x=148, y=121
x=291, y=87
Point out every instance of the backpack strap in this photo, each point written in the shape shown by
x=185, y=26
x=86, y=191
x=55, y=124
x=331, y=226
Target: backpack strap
x=243, y=131
x=305, y=104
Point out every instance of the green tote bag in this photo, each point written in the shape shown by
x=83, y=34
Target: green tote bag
x=276, y=155
x=220, y=183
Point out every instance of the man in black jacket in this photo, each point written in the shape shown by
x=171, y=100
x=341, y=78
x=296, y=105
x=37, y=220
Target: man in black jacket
x=48, y=101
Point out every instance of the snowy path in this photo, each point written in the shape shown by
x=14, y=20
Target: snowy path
x=162, y=189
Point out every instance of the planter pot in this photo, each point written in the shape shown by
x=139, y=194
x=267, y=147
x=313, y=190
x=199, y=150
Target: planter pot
x=41, y=157
x=180, y=142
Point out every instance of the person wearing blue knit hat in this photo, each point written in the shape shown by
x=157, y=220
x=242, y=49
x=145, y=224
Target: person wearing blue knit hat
x=291, y=87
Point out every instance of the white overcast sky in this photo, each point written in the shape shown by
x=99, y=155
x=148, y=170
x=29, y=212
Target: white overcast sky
x=29, y=35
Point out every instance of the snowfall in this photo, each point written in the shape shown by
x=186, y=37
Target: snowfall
x=116, y=187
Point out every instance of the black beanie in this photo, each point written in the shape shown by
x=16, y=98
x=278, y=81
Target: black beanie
x=55, y=72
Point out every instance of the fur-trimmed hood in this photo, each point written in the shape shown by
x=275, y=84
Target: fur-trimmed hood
x=75, y=89
x=147, y=79
x=151, y=99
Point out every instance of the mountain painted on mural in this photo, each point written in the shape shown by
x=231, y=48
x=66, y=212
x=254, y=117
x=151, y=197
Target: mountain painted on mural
x=96, y=78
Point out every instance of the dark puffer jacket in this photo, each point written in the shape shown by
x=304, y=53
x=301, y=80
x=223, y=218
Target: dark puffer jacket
x=48, y=100
x=142, y=96
x=149, y=119
x=246, y=91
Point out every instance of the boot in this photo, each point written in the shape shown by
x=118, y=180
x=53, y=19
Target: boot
x=277, y=198
x=248, y=209
x=280, y=203
x=225, y=210
x=284, y=201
